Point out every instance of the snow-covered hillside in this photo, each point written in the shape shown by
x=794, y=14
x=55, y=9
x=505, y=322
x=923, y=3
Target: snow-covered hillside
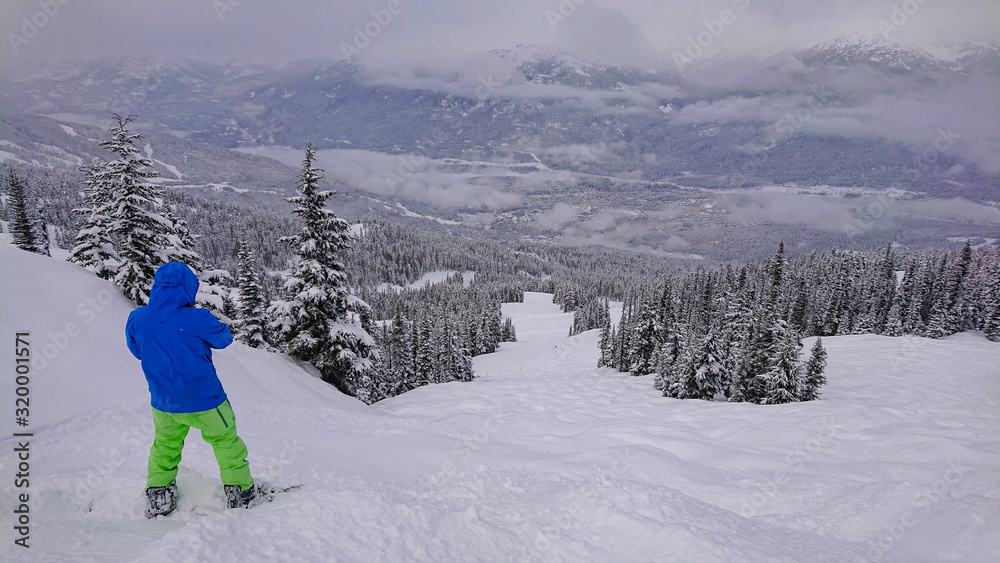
x=543, y=458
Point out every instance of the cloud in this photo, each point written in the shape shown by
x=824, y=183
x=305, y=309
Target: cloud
x=836, y=214
x=955, y=119
x=600, y=31
x=824, y=213
x=401, y=176
x=558, y=217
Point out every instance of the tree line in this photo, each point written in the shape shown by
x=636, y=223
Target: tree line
x=736, y=333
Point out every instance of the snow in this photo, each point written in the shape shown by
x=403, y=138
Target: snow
x=430, y=278
x=69, y=130
x=543, y=458
x=407, y=213
x=170, y=168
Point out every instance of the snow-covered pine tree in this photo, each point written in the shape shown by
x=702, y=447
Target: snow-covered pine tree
x=665, y=358
x=509, y=332
x=939, y=325
x=737, y=316
x=894, y=323
x=136, y=225
x=604, y=344
x=991, y=324
x=749, y=383
x=914, y=288
x=783, y=379
x=813, y=378
x=457, y=361
x=684, y=370
x=21, y=224
x=423, y=364
x=41, y=226
x=711, y=375
x=251, y=319
x=315, y=321
x=402, y=374
x=645, y=341
x=94, y=248
x=777, y=276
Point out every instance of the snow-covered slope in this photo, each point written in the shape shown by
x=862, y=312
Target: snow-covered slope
x=543, y=458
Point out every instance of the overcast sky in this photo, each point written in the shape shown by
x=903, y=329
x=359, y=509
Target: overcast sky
x=629, y=30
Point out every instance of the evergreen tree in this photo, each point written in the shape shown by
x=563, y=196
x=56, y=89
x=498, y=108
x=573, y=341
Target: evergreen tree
x=251, y=320
x=94, y=248
x=604, y=344
x=128, y=230
x=41, y=226
x=21, y=224
x=710, y=373
x=992, y=323
x=683, y=374
x=777, y=275
x=666, y=356
x=894, y=324
x=509, y=332
x=402, y=375
x=423, y=365
x=136, y=225
x=785, y=375
x=813, y=377
x=645, y=341
x=315, y=320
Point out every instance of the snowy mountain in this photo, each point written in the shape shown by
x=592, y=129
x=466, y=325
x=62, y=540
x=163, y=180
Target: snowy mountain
x=521, y=97
x=878, y=55
x=644, y=158
x=981, y=56
x=543, y=457
x=181, y=163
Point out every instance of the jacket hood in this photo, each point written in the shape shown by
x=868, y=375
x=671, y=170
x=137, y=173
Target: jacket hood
x=174, y=286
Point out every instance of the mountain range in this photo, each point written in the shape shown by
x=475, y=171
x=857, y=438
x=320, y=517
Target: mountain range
x=504, y=138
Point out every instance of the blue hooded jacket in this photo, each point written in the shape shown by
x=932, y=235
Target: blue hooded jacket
x=174, y=342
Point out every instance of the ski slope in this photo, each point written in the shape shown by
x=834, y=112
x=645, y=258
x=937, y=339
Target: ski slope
x=543, y=458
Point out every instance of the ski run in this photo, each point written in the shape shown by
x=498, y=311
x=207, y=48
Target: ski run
x=544, y=457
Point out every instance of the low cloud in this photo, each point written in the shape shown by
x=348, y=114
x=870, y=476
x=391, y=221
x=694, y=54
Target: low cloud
x=401, y=176
x=558, y=217
x=958, y=119
x=844, y=215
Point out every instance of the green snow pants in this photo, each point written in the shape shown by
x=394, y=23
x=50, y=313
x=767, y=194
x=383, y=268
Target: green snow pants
x=218, y=428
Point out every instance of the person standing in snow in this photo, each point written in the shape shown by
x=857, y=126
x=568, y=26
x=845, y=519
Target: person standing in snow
x=173, y=340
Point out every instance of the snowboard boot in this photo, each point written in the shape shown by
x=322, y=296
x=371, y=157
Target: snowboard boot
x=238, y=498
x=161, y=501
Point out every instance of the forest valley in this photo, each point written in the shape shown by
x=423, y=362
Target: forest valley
x=317, y=287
